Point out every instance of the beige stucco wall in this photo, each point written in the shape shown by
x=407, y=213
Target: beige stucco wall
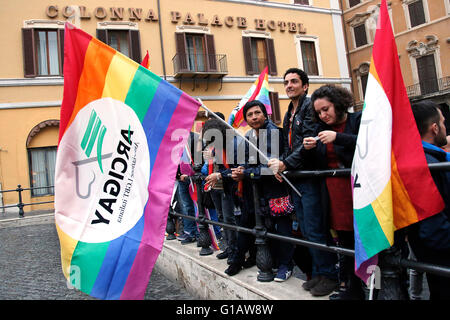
x=24, y=103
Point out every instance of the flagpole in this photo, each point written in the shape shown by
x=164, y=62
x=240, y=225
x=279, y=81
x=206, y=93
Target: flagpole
x=250, y=143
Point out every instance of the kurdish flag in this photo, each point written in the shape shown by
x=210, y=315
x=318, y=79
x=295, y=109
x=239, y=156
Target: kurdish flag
x=258, y=91
x=392, y=185
x=115, y=167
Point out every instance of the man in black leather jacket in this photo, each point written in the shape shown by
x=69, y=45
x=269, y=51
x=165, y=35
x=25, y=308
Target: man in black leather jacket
x=297, y=125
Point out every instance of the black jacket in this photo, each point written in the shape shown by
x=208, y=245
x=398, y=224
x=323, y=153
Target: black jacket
x=256, y=167
x=430, y=238
x=344, y=145
x=302, y=126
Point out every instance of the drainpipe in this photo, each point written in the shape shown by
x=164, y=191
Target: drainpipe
x=161, y=40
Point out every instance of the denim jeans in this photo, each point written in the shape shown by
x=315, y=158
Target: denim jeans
x=187, y=205
x=313, y=227
x=225, y=209
x=282, y=251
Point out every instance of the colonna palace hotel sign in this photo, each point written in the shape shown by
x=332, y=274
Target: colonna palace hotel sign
x=200, y=19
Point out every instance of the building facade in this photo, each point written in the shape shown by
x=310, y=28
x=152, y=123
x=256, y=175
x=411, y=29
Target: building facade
x=422, y=34
x=211, y=49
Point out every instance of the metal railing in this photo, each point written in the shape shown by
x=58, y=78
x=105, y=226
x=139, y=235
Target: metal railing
x=391, y=260
x=200, y=63
x=428, y=87
x=20, y=204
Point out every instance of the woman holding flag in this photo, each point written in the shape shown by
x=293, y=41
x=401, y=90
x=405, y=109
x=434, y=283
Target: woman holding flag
x=334, y=147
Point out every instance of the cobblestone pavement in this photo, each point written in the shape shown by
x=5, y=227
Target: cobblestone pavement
x=30, y=269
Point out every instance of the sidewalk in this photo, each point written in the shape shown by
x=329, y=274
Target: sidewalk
x=204, y=277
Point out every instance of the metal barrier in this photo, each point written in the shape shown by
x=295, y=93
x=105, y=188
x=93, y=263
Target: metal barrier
x=20, y=204
x=390, y=260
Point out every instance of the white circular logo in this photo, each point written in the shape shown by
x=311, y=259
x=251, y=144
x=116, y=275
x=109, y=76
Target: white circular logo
x=102, y=172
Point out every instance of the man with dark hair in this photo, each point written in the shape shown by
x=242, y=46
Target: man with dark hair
x=254, y=172
x=298, y=124
x=430, y=238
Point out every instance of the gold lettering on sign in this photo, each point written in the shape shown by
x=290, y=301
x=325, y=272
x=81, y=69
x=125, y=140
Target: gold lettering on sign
x=229, y=21
x=301, y=28
x=135, y=13
x=100, y=13
x=216, y=21
x=260, y=24
x=292, y=27
x=241, y=22
x=151, y=16
x=67, y=11
x=188, y=19
x=175, y=16
x=201, y=19
x=51, y=11
x=271, y=25
x=116, y=13
x=83, y=13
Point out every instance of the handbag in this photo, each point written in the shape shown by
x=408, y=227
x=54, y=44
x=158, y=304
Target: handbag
x=280, y=207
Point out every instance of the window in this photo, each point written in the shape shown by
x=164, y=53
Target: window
x=195, y=52
x=416, y=13
x=259, y=52
x=309, y=58
x=352, y=3
x=305, y=2
x=118, y=39
x=426, y=69
x=126, y=41
x=364, y=78
x=42, y=170
x=275, y=104
x=43, y=51
x=360, y=35
x=308, y=54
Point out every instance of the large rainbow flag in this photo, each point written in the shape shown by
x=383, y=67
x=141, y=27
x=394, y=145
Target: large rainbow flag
x=115, y=167
x=258, y=91
x=392, y=185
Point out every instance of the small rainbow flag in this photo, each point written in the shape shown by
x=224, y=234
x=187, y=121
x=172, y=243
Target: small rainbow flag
x=392, y=185
x=115, y=167
x=258, y=91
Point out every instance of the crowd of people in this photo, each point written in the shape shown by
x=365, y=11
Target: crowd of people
x=317, y=133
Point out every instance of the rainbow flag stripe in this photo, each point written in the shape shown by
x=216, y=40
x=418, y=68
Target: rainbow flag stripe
x=111, y=207
x=258, y=91
x=392, y=185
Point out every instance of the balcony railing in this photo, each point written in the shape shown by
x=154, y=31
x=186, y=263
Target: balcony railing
x=429, y=87
x=200, y=65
